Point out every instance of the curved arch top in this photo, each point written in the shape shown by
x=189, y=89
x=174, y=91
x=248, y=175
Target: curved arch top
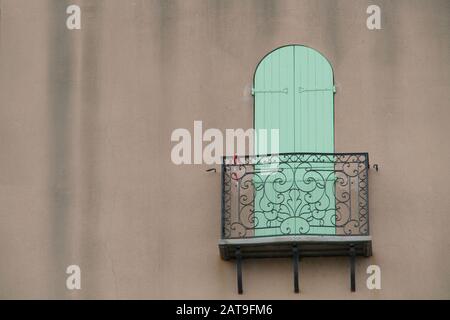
x=298, y=48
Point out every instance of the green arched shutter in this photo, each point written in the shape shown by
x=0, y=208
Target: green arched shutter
x=293, y=90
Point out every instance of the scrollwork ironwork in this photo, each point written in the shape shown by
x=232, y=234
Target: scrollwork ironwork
x=295, y=194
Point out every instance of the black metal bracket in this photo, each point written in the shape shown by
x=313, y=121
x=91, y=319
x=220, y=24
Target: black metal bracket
x=239, y=269
x=211, y=170
x=352, y=268
x=295, y=260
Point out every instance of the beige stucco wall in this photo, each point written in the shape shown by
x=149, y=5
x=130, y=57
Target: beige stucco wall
x=85, y=124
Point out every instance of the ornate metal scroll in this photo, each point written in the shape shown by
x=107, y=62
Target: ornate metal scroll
x=295, y=194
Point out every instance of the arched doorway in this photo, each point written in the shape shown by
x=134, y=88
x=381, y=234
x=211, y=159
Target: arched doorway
x=294, y=92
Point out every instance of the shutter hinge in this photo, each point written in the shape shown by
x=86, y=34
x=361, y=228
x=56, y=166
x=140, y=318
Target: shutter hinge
x=285, y=91
x=301, y=89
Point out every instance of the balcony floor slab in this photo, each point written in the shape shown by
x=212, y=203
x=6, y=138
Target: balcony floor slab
x=308, y=246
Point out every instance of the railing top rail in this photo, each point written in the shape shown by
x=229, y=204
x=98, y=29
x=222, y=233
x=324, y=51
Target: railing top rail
x=298, y=153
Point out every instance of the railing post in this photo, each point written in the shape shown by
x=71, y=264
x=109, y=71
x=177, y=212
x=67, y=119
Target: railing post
x=222, y=198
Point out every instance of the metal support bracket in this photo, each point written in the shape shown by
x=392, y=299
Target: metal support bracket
x=239, y=269
x=295, y=260
x=352, y=267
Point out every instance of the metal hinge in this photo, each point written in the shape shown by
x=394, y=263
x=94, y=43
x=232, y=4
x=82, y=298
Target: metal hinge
x=285, y=91
x=301, y=89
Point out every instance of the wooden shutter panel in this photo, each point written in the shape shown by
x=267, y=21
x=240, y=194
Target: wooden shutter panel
x=314, y=105
x=274, y=96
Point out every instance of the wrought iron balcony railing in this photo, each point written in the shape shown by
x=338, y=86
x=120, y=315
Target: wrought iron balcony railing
x=294, y=205
x=295, y=194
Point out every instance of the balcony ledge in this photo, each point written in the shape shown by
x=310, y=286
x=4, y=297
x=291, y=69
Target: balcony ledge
x=308, y=246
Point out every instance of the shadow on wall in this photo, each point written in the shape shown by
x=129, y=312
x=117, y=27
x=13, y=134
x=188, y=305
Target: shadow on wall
x=68, y=87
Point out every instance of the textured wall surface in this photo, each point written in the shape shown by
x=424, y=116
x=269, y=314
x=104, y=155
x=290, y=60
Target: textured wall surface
x=86, y=117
